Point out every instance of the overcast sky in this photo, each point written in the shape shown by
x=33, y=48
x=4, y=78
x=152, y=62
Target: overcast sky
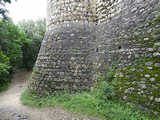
x=27, y=9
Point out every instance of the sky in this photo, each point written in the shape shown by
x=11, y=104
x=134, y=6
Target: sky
x=27, y=10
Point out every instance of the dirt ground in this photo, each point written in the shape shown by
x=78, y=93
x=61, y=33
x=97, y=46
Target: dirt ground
x=11, y=107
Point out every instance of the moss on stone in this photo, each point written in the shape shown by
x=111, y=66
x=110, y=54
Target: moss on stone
x=139, y=82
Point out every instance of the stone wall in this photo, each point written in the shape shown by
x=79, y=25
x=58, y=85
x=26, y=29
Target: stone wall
x=64, y=11
x=65, y=59
x=106, y=9
x=139, y=81
x=113, y=29
x=130, y=38
x=82, y=33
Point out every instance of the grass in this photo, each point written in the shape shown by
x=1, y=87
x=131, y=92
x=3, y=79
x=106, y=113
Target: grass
x=4, y=87
x=87, y=103
x=101, y=102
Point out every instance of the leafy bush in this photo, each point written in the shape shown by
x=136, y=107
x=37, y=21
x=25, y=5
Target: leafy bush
x=104, y=86
x=19, y=46
x=11, y=41
x=3, y=58
x=111, y=72
x=4, y=74
x=4, y=70
x=104, y=89
x=21, y=43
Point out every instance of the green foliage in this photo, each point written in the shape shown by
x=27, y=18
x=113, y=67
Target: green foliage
x=35, y=31
x=11, y=41
x=3, y=58
x=4, y=74
x=139, y=82
x=100, y=102
x=105, y=91
x=10, y=51
x=4, y=71
x=19, y=47
x=104, y=86
x=111, y=72
x=22, y=44
x=85, y=103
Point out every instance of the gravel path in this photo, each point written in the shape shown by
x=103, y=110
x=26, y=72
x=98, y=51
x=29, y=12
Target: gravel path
x=12, y=109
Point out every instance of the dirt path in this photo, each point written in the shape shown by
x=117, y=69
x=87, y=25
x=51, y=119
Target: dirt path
x=12, y=109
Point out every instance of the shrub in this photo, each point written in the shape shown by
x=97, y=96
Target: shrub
x=111, y=72
x=11, y=41
x=104, y=87
x=105, y=91
x=4, y=74
x=3, y=58
x=4, y=69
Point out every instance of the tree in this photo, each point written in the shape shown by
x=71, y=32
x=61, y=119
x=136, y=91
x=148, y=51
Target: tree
x=3, y=10
x=35, y=31
x=11, y=41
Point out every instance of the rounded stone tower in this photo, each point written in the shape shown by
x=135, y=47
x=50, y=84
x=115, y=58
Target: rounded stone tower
x=65, y=59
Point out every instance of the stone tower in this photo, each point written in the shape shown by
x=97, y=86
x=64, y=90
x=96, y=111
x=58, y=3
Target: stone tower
x=65, y=60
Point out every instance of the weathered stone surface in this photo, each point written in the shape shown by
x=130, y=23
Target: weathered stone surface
x=82, y=33
x=65, y=59
x=120, y=18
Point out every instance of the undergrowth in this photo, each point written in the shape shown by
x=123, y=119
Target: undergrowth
x=100, y=102
x=86, y=103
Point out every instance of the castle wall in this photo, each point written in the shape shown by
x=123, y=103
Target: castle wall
x=64, y=11
x=114, y=25
x=73, y=42
x=106, y=9
x=130, y=39
x=65, y=59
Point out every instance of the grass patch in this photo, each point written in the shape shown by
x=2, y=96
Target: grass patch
x=88, y=103
x=101, y=102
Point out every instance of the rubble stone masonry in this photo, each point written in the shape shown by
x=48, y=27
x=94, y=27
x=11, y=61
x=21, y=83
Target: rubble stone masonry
x=81, y=33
